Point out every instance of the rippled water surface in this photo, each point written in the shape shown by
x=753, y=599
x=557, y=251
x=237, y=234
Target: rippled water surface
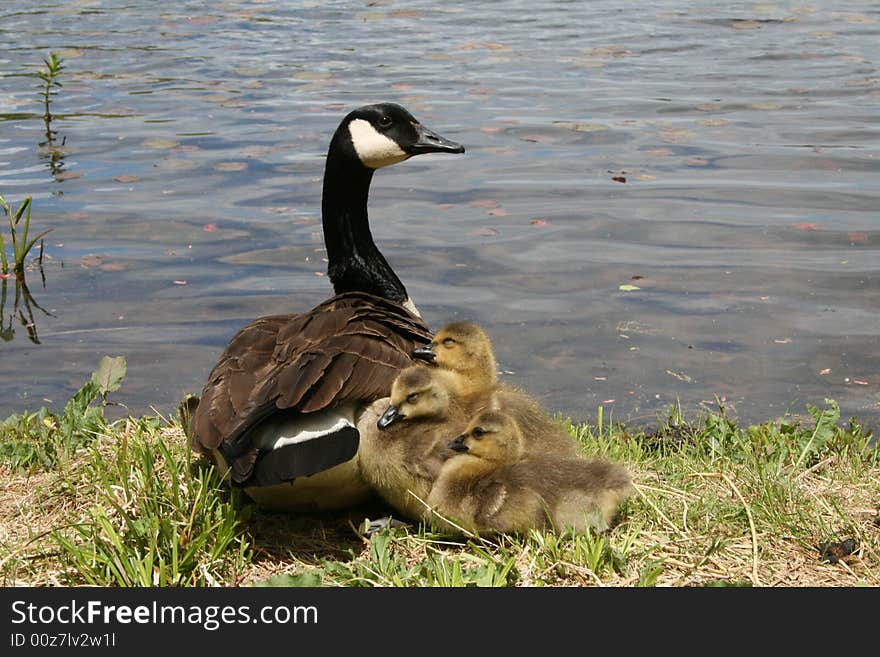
x=722, y=159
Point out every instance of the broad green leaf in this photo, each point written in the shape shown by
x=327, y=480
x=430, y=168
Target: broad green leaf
x=110, y=372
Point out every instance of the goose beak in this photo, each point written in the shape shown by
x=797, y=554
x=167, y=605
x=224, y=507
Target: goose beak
x=430, y=142
x=391, y=415
x=425, y=353
x=458, y=445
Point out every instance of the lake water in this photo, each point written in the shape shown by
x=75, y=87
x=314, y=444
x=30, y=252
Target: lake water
x=723, y=160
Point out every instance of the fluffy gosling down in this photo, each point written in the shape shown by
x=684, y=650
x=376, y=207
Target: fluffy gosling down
x=465, y=349
x=401, y=454
x=493, y=485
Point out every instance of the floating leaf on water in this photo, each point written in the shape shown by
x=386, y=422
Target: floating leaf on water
x=250, y=71
x=628, y=287
x=231, y=166
x=484, y=232
x=620, y=179
x=484, y=203
x=89, y=261
x=540, y=222
x=160, y=143
x=209, y=228
x=116, y=265
x=765, y=105
x=827, y=370
x=497, y=212
x=180, y=282
x=407, y=13
x=311, y=75
x=680, y=376
x=201, y=20
x=609, y=51
x=860, y=18
x=176, y=164
x=740, y=24
x=646, y=176
x=660, y=152
x=582, y=127
x=676, y=135
x=126, y=178
x=67, y=175
x=864, y=82
x=858, y=238
x=804, y=225
x=697, y=162
x=69, y=53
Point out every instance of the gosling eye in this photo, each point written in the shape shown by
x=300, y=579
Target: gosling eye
x=448, y=342
x=385, y=121
x=478, y=432
x=412, y=397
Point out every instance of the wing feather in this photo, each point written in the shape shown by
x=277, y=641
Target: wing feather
x=347, y=349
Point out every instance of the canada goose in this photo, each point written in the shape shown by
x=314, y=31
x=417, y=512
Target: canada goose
x=465, y=349
x=280, y=409
x=493, y=485
x=403, y=453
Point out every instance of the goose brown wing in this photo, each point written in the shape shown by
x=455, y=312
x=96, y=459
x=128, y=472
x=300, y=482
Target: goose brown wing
x=348, y=348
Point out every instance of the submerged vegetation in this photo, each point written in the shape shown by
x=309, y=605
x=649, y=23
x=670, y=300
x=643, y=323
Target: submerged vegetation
x=119, y=503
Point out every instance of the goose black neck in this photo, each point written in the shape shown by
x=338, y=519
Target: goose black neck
x=355, y=263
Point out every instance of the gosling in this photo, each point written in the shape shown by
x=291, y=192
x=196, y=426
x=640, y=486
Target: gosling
x=493, y=485
x=465, y=349
x=401, y=454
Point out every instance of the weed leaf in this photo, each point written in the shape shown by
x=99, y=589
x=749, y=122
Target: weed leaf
x=108, y=377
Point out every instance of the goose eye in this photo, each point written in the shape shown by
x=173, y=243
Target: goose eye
x=478, y=432
x=448, y=342
x=412, y=397
x=385, y=121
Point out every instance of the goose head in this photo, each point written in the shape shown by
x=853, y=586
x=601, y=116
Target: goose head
x=386, y=133
x=491, y=436
x=465, y=349
x=367, y=139
x=417, y=392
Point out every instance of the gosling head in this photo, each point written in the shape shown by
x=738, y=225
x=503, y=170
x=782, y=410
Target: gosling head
x=417, y=392
x=464, y=348
x=491, y=436
x=386, y=133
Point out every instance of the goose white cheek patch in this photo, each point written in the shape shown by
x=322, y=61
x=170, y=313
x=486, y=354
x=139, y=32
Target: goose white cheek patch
x=375, y=150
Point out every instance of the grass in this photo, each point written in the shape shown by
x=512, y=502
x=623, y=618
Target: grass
x=125, y=503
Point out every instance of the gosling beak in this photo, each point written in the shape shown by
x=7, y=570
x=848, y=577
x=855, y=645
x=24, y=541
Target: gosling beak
x=430, y=142
x=425, y=353
x=458, y=445
x=391, y=415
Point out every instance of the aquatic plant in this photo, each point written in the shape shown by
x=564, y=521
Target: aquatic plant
x=49, y=76
x=18, y=236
